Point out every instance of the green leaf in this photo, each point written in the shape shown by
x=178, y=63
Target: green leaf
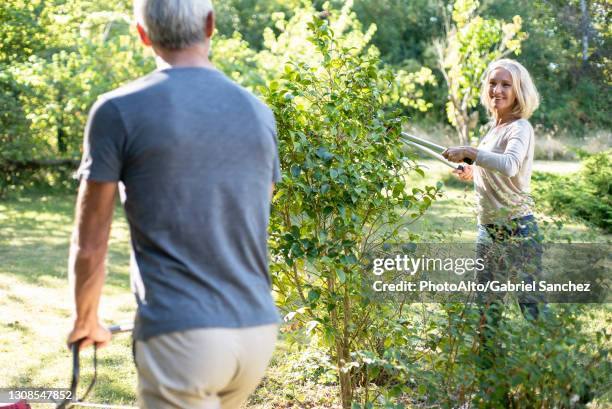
x=324, y=154
x=313, y=295
x=398, y=189
x=422, y=389
x=295, y=170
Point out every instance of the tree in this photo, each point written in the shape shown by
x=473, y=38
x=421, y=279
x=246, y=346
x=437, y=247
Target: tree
x=288, y=40
x=471, y=43
x=404, y=28
x=342, y=196
x=56, y=59
x=249, y=18
x=575, y=95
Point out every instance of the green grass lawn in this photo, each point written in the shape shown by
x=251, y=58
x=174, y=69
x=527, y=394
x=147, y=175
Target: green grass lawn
x=35, y=302
x=454, y=215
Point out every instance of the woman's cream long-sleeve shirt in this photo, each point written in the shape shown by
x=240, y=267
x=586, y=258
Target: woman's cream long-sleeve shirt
x=502, y=173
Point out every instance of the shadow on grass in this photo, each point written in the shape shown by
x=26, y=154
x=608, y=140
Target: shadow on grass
x=52, y=261
x=17, y=326
x=15, y=299
x=35, y=234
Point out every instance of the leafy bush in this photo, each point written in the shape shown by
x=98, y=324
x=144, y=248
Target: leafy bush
x=584, y=195
x=343, y=194
x=550, y=362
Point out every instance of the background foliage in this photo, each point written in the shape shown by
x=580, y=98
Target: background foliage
x=57, y=56
x=343, y=78
x=584, y=195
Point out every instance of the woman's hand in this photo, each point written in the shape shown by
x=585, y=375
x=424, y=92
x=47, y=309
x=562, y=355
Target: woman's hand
x=467, y=174
x=459, y=153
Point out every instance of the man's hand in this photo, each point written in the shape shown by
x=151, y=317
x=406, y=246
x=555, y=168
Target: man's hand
x=467, y=174
x=90, y=333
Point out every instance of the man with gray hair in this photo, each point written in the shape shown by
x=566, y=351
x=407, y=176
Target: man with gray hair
x=198, y=158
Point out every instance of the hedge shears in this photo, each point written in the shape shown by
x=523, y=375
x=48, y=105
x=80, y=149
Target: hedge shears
x=432, y=149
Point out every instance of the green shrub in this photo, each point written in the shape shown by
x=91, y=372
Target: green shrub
x=18, y=178
x=432, y=358
x=551, y=362
x=584, y=195
x=343, y=183
x=555, y=362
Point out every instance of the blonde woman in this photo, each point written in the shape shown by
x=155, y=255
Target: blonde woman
x=501, y=171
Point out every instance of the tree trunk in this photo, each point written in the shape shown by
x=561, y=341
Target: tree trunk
x=346, y=387
x=462, y=127
x=61, y=139
x=346, y=390
x=464, y=134
x=341, y=351
x=61, y=136
x=584, y=28
x=347, y=393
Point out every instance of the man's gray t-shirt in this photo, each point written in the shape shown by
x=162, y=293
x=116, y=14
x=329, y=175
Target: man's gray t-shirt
x=197, y=155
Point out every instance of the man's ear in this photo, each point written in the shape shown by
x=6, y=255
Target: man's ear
x=209, y=29
x=143, y=35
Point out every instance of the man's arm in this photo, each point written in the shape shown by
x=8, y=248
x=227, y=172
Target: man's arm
x=94, y=213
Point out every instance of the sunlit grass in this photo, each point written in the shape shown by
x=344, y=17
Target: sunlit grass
x=454, y=214
x=35, y=302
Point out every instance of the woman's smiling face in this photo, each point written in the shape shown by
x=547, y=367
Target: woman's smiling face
x=501, y=92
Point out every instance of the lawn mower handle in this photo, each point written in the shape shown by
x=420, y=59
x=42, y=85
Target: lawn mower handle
x=76, y=366
x=115, y=329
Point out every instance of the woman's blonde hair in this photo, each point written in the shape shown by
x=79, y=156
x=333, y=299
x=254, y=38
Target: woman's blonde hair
x=527, y=97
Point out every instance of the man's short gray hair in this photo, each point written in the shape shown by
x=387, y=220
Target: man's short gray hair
x=173, y=24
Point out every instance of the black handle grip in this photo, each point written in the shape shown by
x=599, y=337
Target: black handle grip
x=468, y=161
x=76, y=369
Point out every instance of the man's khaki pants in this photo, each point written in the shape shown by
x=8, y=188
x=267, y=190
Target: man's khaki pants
x=212, y=368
